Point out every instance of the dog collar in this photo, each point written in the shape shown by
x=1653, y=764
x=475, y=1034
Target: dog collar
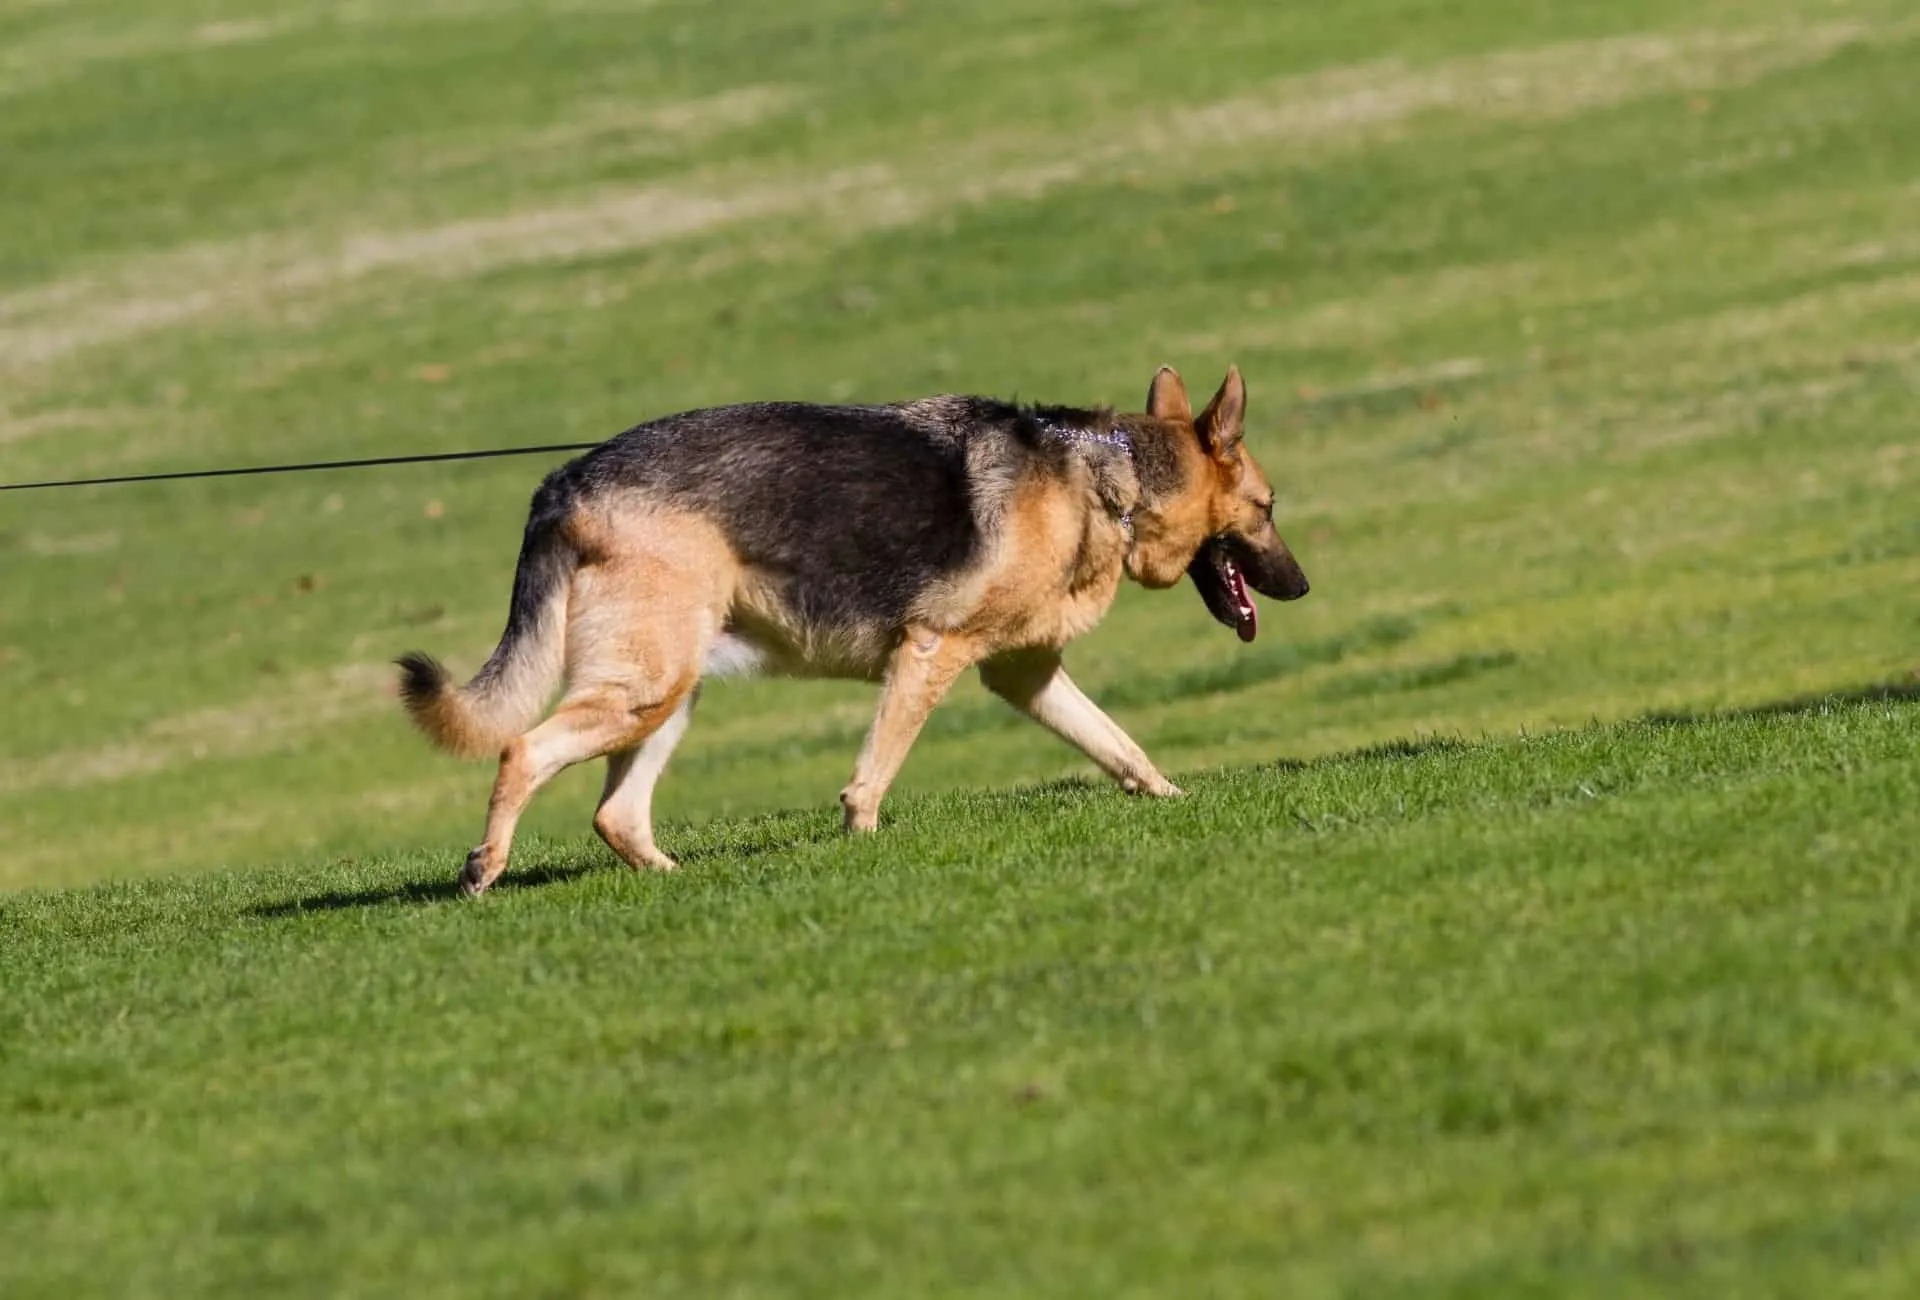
x=1114, y=437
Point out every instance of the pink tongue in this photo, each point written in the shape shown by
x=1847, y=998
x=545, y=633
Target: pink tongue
x=1249, y=625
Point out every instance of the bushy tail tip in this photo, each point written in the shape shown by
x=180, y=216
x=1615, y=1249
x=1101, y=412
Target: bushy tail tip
x=423, y=680
x=441, y=712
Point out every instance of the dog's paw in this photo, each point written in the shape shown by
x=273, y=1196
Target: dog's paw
x=640, y=854
x=858, y=814
x=1152, y=786
x=473, y=876
x=652, y=859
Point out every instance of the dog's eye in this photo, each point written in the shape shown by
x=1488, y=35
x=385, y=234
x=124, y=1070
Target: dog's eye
x=1266, y=508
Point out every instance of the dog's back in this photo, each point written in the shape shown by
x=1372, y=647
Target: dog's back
x=849, y=511
x=848, y=515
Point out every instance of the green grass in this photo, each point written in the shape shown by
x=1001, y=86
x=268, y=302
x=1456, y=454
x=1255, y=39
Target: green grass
x=1620, y=1010
x=1581, y=346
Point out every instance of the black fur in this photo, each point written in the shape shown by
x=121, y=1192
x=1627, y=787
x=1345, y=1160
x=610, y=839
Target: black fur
x=858, y=509
x=854, y=509
x=546, y=562
x=422, y=678
x=1271, y=574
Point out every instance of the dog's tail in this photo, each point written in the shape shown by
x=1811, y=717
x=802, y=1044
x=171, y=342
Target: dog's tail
x=509, y=692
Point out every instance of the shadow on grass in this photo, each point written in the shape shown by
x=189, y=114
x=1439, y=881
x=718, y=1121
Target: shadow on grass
x=766, y=834
x=415, y=891
x=422, y=891
x=1813, y=702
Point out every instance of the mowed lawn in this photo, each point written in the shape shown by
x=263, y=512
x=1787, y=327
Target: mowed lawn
x=1540, y=921
x=1626, y=1011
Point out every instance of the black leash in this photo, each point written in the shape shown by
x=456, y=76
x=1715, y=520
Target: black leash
x=368, y=463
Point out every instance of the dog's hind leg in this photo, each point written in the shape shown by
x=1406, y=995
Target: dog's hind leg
x=1034, y=682
x=639, y=621
x=602, y=719
x=625, y=817
x=922, y=669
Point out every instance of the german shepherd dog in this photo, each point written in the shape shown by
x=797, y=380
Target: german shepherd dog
x=901, y=544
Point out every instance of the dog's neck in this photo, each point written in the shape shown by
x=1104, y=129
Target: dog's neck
x=1111, y=433
x=1161, y=463
x=1167, y=529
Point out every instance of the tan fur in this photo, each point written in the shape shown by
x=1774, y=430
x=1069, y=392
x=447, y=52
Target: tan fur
x=925, y=665
x=648, y=599
x=1034, y=682
x=463, y=724
x=1242, y=499
x=1166, y=536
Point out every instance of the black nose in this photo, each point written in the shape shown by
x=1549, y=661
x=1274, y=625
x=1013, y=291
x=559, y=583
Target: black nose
x=1289, y=579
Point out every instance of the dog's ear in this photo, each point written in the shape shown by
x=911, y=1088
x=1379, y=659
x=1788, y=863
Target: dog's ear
x=1224, y=420
x=1167, y=397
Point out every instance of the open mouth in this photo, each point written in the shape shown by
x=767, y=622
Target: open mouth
x=1224, y=588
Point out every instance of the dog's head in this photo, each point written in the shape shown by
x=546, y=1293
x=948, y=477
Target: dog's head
x=1218, y=526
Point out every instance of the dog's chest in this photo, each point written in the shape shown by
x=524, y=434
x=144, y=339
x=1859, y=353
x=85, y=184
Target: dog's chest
x=1079, y=576
x=1094, y=579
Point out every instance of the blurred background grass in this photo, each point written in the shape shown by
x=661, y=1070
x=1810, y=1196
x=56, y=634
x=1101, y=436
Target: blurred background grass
x=1581, y=342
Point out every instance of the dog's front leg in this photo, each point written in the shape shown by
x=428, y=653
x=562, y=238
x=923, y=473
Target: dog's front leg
x=922, y=669
x=1034, y=682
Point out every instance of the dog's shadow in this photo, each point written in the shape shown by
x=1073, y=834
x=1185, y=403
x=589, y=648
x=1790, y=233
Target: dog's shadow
x=420, y=891
x=769, y=834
